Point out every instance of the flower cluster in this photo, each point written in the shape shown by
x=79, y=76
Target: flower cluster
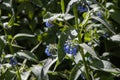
x=70, y=48
x=82, y=8
x=50, y=50
x=49, y=24
x=47, y=51
x=13, y=61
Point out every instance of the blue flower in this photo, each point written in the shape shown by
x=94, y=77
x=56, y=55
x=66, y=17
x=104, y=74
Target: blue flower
x=48, y=24
x=105, y=35
x=47, y=51
x=70, y=49
x=13, y=61
x=82, y=76
x=99, y=14
x=82, y=8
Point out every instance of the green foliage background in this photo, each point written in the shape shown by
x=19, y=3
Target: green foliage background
x=24, y=36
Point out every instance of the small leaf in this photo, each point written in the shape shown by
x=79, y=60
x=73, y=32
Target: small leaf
x=26, y=55
x=11, y=21
x=86, y=18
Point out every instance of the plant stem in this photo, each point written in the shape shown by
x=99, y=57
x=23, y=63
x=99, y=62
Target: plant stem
x=80, y=40
x=85, y=65
x=62, y=6
x=6, y=36
x=18, y=73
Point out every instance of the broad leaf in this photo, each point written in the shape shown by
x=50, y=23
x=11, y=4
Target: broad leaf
x=25, y=75
x=2, y=45
x=39, y=73
x=116, y=38
x=48, y=64
x=70, y=4
x=21, y=35
x=108, y=26
x=26, y=55
x=59, y=17
x=104, y=65
x=75, y=73
x=115, y=15
x=63, y=38
x=89, y=50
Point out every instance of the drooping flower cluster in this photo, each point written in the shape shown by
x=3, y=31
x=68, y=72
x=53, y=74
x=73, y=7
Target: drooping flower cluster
x=70, y=48
x=13, y=61
x=49, y=24
x=50, y=50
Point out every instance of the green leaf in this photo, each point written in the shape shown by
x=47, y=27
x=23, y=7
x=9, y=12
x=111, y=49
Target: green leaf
x=37, y=2
x=48, y=64
x=108, y=26
x=59, y=17
x=9, y=75
x=104, y=65
x=39, y=73
x=11, y=21
x=63, y=38
x=89, y=50
x=75, y=73
x=115, y=15
x=25, y=75
x=115, y=38
x=109, y=67
x=106, y=76
x=70, y=4
x=21, y=35
x=26, y=55
x=86, y=18
x=2, y=45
